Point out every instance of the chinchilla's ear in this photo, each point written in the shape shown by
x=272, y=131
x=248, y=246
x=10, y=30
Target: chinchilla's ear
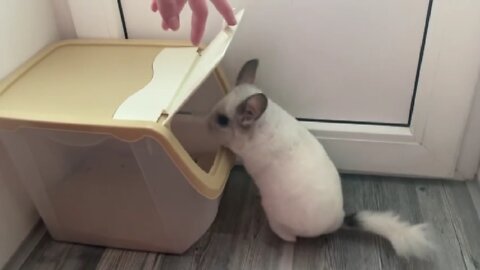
x=251, y=109
x=248, y=72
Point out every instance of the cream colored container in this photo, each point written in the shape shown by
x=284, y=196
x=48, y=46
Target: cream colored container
x=94, y=132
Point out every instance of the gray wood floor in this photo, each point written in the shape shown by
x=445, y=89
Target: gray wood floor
x=241, y=239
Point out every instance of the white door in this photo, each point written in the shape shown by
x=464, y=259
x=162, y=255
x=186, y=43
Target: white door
x=385, y=85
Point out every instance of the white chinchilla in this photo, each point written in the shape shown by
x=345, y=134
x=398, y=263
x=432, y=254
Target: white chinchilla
x=299, y=185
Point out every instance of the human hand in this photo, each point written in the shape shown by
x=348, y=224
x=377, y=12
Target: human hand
x=171, y=9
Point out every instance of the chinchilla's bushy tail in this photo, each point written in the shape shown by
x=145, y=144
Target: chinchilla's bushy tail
x=408, y=240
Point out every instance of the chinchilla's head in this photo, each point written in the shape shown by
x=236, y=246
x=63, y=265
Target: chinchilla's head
x=233, y=120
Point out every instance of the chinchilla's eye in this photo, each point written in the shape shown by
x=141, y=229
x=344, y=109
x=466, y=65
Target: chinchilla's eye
x=222, y=120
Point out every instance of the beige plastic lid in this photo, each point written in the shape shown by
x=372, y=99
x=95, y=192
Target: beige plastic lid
x=178, y=72
x=129, y=84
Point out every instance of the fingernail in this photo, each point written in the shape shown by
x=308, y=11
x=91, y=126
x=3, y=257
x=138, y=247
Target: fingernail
x=173, y=23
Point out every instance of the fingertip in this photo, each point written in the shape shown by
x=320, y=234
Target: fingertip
x=229, y=17
x=164, y=26
x=195, y=43
x=226, y=10
x=195, y=39
x=196, y=35
x=169, y=12
x=174, y=23
x=199, y=19
x=231, y=21
x=154, y=6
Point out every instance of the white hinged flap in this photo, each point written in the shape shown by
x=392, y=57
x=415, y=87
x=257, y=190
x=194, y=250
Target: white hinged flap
x=177, y=73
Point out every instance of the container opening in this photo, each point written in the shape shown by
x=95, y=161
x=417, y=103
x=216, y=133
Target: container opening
x=189, y=126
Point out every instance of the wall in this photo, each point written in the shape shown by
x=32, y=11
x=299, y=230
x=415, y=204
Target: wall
x=478, y=175
x=468, y=160
x=63, y=16
x=25, y=27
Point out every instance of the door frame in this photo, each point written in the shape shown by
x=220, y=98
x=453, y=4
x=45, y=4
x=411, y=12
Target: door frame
x=435, y=143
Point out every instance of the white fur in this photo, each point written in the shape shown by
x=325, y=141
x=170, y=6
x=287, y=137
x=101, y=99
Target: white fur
x=408, y=240
x=299, y=185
